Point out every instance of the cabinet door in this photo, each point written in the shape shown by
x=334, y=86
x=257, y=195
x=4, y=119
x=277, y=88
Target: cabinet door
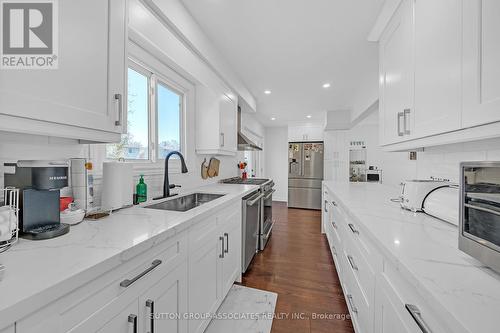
x=396, y=74
x=438, y=54
x=126, y=321
x=481, y=65
x=228, y=119
x=231, y=263
x=204, y=287
x=164, y=305
x=390, y=317
x=91, y=51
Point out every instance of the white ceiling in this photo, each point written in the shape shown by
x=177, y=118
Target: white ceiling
x=292, y=47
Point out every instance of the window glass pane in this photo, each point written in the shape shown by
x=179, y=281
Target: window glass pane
x=169, y=120
x=134, y=144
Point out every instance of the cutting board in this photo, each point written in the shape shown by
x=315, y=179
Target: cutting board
x=213, y=167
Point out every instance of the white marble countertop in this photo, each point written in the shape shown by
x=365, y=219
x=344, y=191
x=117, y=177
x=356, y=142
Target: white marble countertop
x=425, y=250
x=39, y=272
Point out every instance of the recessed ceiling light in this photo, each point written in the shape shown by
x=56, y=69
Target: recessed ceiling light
x=326, y=85
x=267, y=92
x=273, y=118
x=309, y=116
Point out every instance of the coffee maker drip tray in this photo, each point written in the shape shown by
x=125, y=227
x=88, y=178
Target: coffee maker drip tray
x=46, y=231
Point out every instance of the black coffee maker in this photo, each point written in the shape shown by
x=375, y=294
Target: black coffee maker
x=39, y=183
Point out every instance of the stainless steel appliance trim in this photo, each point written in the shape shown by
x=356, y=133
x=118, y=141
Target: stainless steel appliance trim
x=118, y=98
x=128, y=282
x=491, y=211
x=266, y=236
x=417, y=316
x=221, y=255
x=351, y=304
x=253, y=201
x=487, y=253
x=268, y=194
x=151, y=305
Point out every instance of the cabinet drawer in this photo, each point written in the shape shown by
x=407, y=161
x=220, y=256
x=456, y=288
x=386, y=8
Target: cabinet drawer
x=202, y=232
x=230, y=215
x=359, y=308
x=361, y=270
x=69, y=311
x=403, y=295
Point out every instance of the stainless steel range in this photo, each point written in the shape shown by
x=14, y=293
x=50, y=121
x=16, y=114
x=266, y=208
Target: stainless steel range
x=253, y=241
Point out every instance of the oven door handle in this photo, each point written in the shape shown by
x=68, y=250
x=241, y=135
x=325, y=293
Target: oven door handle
x=253, y=201
x=269, y=194
x=266, y=236
x=486, y=210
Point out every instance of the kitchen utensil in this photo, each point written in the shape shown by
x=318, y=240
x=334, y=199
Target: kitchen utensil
x=204, y=169
x=213, y=167
x=82, y=183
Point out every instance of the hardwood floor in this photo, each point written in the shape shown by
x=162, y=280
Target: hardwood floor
x=297, y=265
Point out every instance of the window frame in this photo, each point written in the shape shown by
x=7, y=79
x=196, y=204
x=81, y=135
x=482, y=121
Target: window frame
x=155, y=78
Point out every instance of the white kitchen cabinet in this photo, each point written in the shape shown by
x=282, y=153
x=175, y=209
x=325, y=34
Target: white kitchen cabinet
x=204, y=281
x=438, y=55
x=125, y=321
x=396, y=84
x=305, y=133
x=481, y=65
x=85, y=98
x=216, y=116
x=231, y=262
x=167, y=298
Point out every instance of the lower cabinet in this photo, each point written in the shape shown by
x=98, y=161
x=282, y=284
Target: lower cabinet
x=378, y=297
x=168, y=288
x=215, y=263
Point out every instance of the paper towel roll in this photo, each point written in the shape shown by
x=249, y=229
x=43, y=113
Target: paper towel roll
x=117, y=185
x=5, y=233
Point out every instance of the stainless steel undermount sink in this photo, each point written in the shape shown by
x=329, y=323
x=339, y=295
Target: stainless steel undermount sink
x=186, y=202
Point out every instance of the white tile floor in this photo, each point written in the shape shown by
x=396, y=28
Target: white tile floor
x=245, y=310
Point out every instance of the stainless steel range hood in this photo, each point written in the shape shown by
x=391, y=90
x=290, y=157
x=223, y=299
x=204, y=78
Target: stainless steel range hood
x=244, y=143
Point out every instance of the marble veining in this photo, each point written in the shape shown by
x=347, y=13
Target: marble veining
x=254, y=307
x=39, y=272
x=424, y=249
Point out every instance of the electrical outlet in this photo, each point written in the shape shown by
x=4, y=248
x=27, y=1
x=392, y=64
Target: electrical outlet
x=413, y=156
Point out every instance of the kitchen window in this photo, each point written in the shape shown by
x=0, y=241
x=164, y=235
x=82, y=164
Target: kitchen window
x=154, y=118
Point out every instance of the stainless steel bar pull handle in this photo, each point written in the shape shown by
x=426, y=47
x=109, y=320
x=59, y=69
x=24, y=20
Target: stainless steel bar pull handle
x=227, y=242
x=351, y=304
x=406, y=121
x=326, y=203
x=253, y=201
x=151, y=305
x=353, y=228
x=119, y=99
x=222, y=139
x=400, y=116
x=132, y=319
x=221, y=255
x=351, y=262
x=269, y=194
x=128, y=282
x=417, y=316
x=486, y=210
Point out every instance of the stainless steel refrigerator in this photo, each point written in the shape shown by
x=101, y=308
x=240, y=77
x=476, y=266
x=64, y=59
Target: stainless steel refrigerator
x=305, y=173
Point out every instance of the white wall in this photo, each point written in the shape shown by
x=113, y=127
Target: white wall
x=276, y=160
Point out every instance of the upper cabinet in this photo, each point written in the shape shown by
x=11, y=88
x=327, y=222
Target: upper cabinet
x=216, y=122
x=439, y=73
x=85, y=97
x=397, y=75
x=312, y=132
x=481, y=62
